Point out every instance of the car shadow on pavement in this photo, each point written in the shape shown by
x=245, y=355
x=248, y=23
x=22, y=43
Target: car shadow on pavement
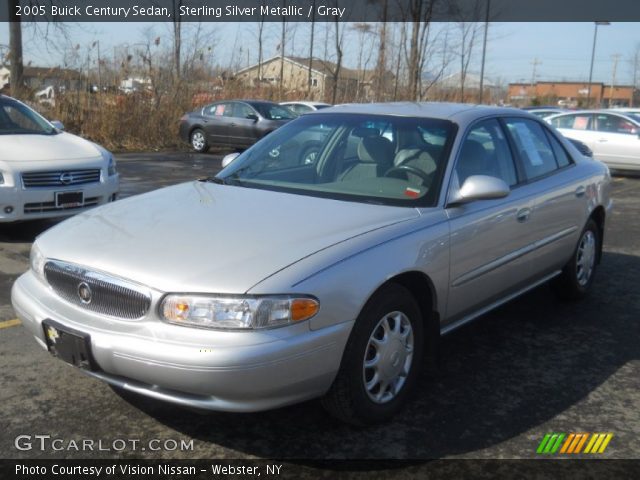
x=501, y=378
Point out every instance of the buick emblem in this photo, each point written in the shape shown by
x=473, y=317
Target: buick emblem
x=66, y=178
x=84, y=292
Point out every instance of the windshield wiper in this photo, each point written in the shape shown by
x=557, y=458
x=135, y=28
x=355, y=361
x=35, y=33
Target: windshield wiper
x=219, y=181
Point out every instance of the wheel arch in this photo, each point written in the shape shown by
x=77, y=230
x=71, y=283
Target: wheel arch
x=422, y=289
x=598, y=216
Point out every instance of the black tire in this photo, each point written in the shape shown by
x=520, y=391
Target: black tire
x=575, y=280
x=198, y=140
x=348, y=398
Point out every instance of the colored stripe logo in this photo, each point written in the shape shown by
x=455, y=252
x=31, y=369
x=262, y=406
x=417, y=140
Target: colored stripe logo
x=574, y=443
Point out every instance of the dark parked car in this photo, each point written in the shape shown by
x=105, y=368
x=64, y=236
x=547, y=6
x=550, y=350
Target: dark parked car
x=232, y=123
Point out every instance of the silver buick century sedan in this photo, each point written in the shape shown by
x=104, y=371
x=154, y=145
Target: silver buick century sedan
x=283, y=279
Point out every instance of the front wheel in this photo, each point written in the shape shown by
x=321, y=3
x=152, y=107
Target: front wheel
x=577, y=275
x=382, y=360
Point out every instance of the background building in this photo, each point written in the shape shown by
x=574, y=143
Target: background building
x=572, y=94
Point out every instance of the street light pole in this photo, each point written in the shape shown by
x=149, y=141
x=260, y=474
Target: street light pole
x=593, y=54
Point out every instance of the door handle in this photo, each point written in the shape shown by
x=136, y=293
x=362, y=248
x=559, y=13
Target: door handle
x=523, y=214
x=233, y=124
x=602, y=140
x=580, y=191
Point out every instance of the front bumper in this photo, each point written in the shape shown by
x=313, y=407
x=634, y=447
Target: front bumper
x=19, y=204
x=215, y=370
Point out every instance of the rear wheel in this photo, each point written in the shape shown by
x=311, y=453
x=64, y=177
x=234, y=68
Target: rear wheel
x=577, y=276
x=382, y=359
x=199, y=141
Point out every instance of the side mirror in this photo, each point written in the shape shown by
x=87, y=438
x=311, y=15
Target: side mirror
x=252, y=116
x=479, y=187
x=229, y=158
x=58, y=124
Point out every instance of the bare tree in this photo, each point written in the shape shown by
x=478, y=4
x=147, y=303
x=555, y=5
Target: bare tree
x=363, y=30
x=418, y=17
x=260, y=36
x=313, y=28
x=15, y=49
x=177, y=39
x=469, y=32
x=379, y=84
x=336, y=67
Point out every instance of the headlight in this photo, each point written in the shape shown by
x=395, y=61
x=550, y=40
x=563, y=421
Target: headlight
x=108, y=156
x=37, y=261
x=111, y=169
x=227, y=312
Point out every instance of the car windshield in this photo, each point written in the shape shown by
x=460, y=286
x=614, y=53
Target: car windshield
x=274, y=112
x=388, y=160
x=16, y=118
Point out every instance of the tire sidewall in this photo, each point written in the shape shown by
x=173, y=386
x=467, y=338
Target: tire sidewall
x=572, y=273
x=204, y=147
x=393, y=298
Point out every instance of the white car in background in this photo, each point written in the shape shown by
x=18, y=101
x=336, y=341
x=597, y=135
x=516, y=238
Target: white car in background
x=48, y=173
x=300, y=107
x=613, y=137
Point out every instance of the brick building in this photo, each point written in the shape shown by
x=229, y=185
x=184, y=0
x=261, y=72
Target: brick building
x=572, y=94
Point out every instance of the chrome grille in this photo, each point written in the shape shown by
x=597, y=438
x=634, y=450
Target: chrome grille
x=60, y=178
x=108, y=295
x=44, y=207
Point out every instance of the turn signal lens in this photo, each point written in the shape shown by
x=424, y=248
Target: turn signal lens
x=303, y=308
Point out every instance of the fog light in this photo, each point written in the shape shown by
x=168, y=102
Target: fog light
x=8, y=209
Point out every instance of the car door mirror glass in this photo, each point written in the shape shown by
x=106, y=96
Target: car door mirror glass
x=229, y=158
x=480, y=187
x=58, y=125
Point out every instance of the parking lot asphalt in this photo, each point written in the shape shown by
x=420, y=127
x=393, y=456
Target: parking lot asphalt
x=534, y=366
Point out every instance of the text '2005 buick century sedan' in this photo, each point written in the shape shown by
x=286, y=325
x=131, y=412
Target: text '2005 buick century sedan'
x=283, y=279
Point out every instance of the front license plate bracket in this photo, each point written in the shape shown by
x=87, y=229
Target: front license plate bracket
x=69, y=199
x=69, y=345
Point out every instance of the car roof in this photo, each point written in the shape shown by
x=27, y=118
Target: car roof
x=457, y=112
x=303, y=102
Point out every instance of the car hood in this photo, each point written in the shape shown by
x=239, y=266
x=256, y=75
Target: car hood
x=203, y=237
x=38, y=148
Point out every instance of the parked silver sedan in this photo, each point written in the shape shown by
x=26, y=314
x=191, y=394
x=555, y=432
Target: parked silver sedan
x=280, y=280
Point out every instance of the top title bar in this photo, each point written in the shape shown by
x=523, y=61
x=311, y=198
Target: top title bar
x=319, y=10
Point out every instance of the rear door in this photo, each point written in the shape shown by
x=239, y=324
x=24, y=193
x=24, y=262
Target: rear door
x=560, y=194
x=215, y=124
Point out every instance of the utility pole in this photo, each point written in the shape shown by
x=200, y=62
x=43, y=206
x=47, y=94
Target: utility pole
x=615, y=57
x=535, y=64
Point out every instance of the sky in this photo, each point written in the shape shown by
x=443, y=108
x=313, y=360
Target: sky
x=561, y=51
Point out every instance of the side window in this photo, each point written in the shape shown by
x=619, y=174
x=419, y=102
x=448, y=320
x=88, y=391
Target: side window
x=533, y=147
x=573, y=122
x=486, y=151
x=615, y=124
x=215, y=110
x=562, y=157
x=19, y=119
x=240, y=110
